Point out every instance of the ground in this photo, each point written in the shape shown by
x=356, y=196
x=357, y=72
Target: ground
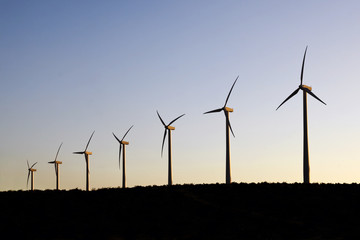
x=209, y=211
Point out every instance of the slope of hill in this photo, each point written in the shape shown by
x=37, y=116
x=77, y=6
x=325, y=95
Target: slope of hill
x=215, y=211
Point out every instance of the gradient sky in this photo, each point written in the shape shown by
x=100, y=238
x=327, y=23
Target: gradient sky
x=70, y=67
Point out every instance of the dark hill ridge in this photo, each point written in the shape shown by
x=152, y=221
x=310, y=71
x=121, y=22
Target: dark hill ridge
x=214, y=211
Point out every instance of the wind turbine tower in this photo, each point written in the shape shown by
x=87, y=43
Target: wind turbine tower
x=31, y=171
x=228, y=128
x=56, y=164
x=305, y=89
x=123, y=144
x=86, y=153
x=168, y=130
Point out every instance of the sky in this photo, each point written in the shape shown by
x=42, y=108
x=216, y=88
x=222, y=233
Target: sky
x=68, y=68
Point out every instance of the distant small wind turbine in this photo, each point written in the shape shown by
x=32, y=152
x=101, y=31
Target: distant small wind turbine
x=305, y=89
x=168, y=129
x=56, y=164
x=31, y=171
x=123, y=143
x=86, y=153
x=228, y=127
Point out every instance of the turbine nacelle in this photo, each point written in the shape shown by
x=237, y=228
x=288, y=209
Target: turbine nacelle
x=124, y=143
x=88, y=153
x=56, y=162
x=170, y=127
x=303, y=87
x=227, y=109
x=32, y=170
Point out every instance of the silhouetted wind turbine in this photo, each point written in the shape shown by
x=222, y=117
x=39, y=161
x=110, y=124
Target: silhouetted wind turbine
x=31, y=171
x=56, y=164
x=123, y=143
x=86, y=153
x=305, y=89
x=168, y=129
x=228, y=127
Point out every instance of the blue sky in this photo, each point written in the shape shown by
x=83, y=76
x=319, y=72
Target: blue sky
x=70, y=67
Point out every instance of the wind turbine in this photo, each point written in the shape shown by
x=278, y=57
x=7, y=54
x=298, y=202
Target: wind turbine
x=123, y=143
x=228, y=129
x=31, y=171
x=305, y=89
x=56, y=164
x=86, y=153
x=168, y=129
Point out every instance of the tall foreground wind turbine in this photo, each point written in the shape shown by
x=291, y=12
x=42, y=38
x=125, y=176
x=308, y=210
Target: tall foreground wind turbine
x=305, y=89
x=228, y=129
x=86, y=153
x=56, y=164
x=168, y=129
x=123, y=143
x=31, y=171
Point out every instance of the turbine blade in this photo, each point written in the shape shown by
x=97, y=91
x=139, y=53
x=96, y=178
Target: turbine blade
x=228, y=123
x=302, y=68
x=56, y=170
x=230, y=91
x=33, y=165
x=162, y=146
x=78, y=152
x=58, y=151
x=312, y=94
x=126, y=132
x=216, y=110
x=117, y=138
x=89, y=141
x=52, y=162
x=175, y=119
x=160, y=118
x=28, y=164
x=27, y=183
x=291, y=95
x=119, y=156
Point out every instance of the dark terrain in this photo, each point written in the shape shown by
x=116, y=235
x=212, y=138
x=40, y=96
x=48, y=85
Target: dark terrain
x=215, y=211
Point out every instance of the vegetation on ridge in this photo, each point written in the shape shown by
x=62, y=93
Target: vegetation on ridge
x=209, y=211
